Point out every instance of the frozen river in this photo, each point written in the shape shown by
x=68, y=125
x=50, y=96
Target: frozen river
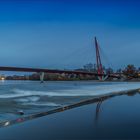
x=31, y=97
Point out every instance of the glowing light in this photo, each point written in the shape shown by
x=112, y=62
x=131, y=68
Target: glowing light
x=2, y=78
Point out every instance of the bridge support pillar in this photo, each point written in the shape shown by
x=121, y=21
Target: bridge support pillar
x=102, y=78
x=42, y=77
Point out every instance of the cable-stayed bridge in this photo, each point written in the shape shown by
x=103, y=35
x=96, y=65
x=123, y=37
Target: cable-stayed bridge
x=100, y=72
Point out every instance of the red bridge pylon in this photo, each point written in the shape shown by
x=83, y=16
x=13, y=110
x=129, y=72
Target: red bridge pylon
x=100, y=71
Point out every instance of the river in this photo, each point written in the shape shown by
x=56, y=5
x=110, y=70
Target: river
x=32, y=97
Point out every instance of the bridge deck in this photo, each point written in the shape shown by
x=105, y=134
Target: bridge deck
x=21, y=69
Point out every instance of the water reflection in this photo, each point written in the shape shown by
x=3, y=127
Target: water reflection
x=98, y=106
x=98, y=100
x=132, y=93
x=102, y=99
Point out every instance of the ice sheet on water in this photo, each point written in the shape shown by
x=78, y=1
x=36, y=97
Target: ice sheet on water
x=32, y=97
x=84, y=90
x=28, y=99
x=42, y=104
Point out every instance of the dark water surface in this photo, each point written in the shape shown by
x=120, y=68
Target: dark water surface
x=113, y=118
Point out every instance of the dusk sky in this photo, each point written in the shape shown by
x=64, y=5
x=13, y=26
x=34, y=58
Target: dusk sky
x=60, y=33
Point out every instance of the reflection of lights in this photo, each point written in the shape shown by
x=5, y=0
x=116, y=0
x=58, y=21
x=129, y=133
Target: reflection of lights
x=7, y=123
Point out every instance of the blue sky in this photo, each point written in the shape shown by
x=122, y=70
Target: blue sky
x=59, y=34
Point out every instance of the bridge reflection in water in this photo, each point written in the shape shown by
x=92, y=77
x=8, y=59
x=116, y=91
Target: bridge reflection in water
x=96, y=100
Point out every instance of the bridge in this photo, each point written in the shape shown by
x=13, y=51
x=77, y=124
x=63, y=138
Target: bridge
x=100, y=72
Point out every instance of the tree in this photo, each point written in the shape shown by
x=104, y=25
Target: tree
x=130, y=71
